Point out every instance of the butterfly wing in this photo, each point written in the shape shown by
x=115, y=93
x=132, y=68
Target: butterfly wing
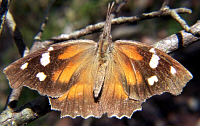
x=114, y=101
x=79, y=100
x=149, y=71
x=50, y=70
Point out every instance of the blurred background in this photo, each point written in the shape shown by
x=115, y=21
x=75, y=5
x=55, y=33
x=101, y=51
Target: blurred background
x=70, y=15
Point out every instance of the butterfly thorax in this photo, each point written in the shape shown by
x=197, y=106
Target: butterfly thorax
x=104, y=43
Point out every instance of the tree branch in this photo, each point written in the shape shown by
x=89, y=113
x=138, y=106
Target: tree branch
x=26, y=113
x=178, y=40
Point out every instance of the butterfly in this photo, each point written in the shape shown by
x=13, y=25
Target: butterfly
x=87, y=78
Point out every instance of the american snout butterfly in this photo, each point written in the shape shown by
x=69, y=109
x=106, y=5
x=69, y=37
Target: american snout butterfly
x=87, y=78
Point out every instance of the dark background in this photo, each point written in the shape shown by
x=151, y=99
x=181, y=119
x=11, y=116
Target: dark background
x=68, y=16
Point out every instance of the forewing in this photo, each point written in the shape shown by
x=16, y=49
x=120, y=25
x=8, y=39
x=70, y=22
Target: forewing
x=148, y=70
x=79, y=100
x=49, y=70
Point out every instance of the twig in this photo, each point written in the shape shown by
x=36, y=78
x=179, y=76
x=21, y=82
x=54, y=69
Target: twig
x=45, y=19
x=165, y=4
x=120, y=20
x=184, y=24
x=16, y=34
x=3, y=10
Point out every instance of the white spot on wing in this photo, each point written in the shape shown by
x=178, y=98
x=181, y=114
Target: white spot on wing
x=45, y=60
x=154, y=61
x=152, y=50
x=152, y=79
x=50, y=49
x=41, y=76
x=172, y=70
x=24, y=66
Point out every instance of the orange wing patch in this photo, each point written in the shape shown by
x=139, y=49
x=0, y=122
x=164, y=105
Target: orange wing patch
x=75, y=91
x=138, y=77
x=71, y=51
x=127, y=67
x=119, y=91
x=64, y=76
x=129, y=50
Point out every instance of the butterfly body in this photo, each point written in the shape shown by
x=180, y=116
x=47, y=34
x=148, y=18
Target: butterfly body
x=87, y=78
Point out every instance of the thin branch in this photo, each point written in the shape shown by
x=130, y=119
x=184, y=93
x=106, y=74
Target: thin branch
x=3, y=10
x=180, y=20
x=183, y=23
x=165, y=4
x=16, y=34
x=120, y=20
x=44, y=22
